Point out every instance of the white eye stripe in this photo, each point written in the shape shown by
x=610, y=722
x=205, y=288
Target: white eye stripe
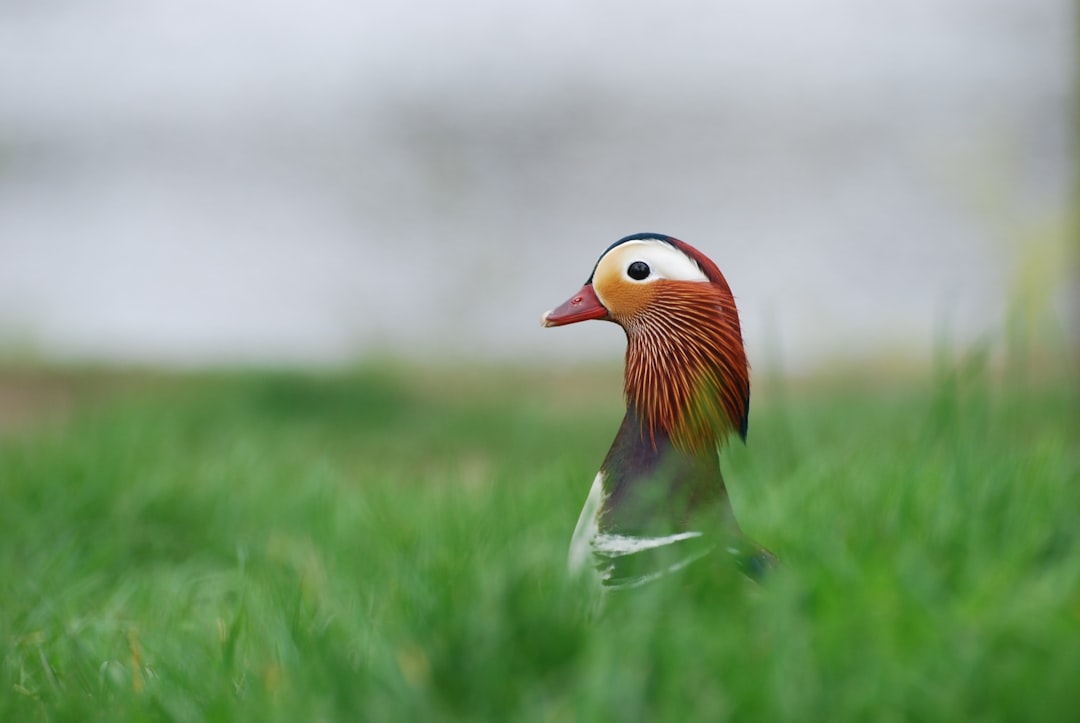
x=664, y=261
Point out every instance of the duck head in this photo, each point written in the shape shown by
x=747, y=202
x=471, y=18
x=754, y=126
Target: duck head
x=686, y=371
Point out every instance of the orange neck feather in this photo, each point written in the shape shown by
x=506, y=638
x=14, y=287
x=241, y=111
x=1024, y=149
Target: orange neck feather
x=686, y=370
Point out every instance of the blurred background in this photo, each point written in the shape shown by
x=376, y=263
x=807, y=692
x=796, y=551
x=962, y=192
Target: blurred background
x=247, y=181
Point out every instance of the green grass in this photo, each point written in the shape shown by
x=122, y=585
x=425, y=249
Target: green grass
x=390, y=546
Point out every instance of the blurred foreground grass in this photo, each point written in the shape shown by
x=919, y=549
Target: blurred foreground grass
x=380, y=545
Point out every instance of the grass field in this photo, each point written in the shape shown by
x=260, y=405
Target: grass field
x=380, y=545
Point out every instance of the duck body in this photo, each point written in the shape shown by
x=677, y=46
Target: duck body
x=659, y=501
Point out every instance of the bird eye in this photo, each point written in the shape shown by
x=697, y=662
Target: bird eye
x=638, y=270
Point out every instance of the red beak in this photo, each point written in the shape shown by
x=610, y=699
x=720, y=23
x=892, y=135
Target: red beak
x=581, y=306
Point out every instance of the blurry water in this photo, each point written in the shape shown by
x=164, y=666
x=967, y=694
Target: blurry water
x=246, y=180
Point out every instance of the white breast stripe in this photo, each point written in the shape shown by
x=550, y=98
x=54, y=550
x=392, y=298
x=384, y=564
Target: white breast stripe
x=587, y=527
x=619, y=545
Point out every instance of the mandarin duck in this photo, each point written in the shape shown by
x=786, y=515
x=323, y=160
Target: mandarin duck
x=659, y=502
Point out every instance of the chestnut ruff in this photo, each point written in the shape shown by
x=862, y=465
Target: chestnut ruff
x=686, y=369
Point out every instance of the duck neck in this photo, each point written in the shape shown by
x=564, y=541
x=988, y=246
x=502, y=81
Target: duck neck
x=653, y=486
